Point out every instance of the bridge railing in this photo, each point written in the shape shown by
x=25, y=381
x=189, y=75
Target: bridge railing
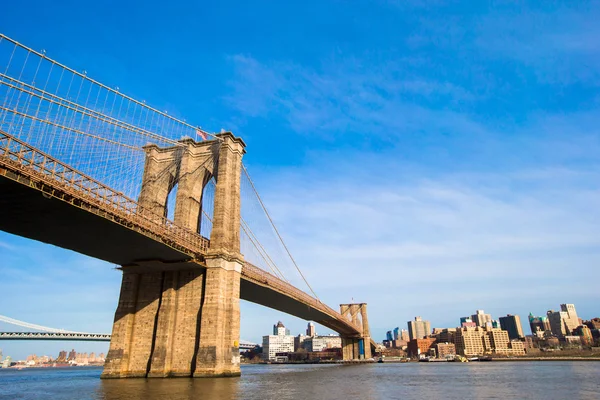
x=38, y=165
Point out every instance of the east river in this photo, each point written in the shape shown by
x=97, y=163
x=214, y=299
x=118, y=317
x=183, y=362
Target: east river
x=491, y=380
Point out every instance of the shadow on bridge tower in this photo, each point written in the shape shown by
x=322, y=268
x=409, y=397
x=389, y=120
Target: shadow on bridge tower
x=356, y=348
x=183, y=319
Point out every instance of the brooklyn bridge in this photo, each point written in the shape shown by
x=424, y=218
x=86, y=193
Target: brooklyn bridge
x=87, y=168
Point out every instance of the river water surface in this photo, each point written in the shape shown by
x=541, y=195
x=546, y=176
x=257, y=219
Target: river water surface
x=491, y=380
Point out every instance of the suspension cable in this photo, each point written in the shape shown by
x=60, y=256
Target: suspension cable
x=277, y=232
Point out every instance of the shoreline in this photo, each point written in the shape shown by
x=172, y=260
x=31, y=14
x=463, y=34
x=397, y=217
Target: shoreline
x=548, y=359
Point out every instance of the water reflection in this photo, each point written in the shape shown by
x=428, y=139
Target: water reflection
x=177, y=388
x=501, y=380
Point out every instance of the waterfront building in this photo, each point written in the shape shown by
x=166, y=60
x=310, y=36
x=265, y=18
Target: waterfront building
x=279, y=342
x=72, y=355
x=310, y=330
x=512, y=324
x=418, y=329
x=529, y=342
x=469, y=341
x=480, y=341
x=593, y=323
x=572, y=340
x=299, y=342
x=443, y=350
x=585, y=334
x=416, y=347
x=320, y=343
x=499, y=339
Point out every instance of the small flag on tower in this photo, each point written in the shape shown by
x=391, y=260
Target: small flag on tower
x=201, y=133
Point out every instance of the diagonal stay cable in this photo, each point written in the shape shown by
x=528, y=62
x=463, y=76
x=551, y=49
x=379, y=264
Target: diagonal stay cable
x=277, y=232
x=252, y=236
x=276, y=271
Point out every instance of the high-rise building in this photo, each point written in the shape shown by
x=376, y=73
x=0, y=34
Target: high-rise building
x=310, y=330
x=388, y=336
x=396, y=333
x=572, y=320
x=482, y=319
x=418, y=329
x=279, y=329
x=62, y=356
x=72, y=355
x=404, y=335
x=512, y=324
x=557, y=320
x=538, y=324
x=279, y=342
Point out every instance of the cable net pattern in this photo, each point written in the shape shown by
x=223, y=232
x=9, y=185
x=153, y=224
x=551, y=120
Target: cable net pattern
x=90, y=126
x=101, y=132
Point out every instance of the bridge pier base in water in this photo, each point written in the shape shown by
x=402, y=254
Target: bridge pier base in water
x=180, y=323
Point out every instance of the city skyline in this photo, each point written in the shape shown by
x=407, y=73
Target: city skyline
x=477, y=180
x=42, y=346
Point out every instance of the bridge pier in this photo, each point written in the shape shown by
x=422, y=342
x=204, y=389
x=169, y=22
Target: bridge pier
x=180, y=323
x=183, y=319
x=356, y=348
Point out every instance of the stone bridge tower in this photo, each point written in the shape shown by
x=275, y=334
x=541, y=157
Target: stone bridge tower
x=183, y=319
x=356, y=348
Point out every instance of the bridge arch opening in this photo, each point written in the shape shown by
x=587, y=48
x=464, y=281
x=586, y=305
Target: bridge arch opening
x=207, y=201
x=171, y=199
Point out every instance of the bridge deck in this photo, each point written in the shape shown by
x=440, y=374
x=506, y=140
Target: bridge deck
x=37, y=203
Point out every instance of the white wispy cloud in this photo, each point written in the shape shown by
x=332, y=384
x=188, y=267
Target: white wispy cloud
x=409, y=240
x=344, y=97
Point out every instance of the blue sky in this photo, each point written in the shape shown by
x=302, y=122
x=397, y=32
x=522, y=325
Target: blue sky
x=428, y=160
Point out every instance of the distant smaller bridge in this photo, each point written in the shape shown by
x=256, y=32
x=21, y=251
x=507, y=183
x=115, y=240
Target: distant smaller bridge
x=61, y=334
x=88, y=337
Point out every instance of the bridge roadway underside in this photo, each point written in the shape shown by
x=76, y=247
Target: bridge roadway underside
x=27, y=212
